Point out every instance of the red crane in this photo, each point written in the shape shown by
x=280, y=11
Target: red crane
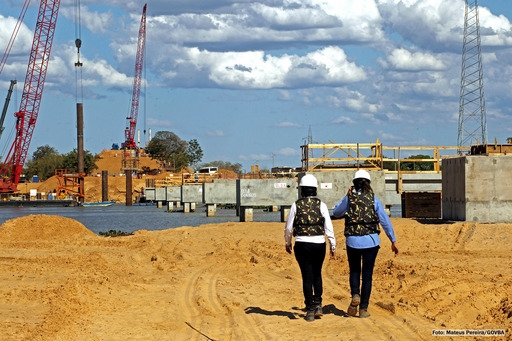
x=129, y=132
x=26, y=116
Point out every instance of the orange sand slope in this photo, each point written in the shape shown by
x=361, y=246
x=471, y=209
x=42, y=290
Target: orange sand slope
x=234, y=281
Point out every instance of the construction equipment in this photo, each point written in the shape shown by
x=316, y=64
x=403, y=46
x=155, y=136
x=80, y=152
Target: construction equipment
x=129, y=133
x=131, y=152
x=6, y=105
x=26, y=116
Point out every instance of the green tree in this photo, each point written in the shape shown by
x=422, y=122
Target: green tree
x=70, y=161
x=43, y=163
x=169, y=149
x=417, y=165
x=194, y=152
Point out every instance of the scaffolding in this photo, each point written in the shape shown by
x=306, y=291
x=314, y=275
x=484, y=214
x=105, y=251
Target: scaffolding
x=370, y=156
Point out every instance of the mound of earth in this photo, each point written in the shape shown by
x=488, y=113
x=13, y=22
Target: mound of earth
x=43, y=227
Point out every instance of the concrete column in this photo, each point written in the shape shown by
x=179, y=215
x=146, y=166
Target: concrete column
x=170, y=206
x=246, y=214
x=285, y=211
x=104, y=185
x=129, y=187
x=211, y=209
x=192, y=206
x=159, y=204
x=186, y=207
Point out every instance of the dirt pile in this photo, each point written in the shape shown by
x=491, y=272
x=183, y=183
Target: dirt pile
x=43, y=227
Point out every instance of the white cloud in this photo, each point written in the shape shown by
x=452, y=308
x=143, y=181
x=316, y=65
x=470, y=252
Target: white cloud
x=288, y=151
x=258, y=70
x=216, y=133
x=402, y=59
x=96, y=22
x=158, y=124
x=343, y=120
x=288, y=125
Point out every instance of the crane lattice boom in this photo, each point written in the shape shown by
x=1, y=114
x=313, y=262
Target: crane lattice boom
x=129, y=133
x=26, y=116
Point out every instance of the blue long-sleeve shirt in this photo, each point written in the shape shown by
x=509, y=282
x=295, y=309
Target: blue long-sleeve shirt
x=370, y=240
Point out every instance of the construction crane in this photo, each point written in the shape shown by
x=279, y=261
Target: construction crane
x=26, y=116
x=6, y=105
x=131, y=152
x=129, y=133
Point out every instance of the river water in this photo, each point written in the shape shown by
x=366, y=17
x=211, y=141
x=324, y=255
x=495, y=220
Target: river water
x=132, y=218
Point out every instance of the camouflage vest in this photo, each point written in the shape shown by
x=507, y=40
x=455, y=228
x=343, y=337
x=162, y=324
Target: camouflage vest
x=308, y=219
x=361, y=218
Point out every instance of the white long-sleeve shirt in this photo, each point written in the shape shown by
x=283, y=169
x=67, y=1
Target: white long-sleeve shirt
x=329, y=230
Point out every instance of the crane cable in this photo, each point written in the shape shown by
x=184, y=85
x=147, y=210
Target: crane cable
x=78, y=64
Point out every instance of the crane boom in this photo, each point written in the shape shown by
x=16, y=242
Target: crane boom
x=26, y=116
x=129, y=133
x=6, y=106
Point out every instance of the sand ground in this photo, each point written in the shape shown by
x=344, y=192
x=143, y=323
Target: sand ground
x=234, y=281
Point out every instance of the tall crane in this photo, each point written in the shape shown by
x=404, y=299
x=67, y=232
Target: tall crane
x=26, y=116
x=129, y=133
x=6, y=106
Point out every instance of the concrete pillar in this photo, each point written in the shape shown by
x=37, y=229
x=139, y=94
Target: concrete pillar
x=211, y=209
x=170, y=206
x=246, y=214
x=159, y=204
x=104, y=185
x=129, y=187
x=285, y=211
x=186, y=207
x=192, y=206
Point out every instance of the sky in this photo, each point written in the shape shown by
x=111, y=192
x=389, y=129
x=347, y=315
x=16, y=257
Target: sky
x=252, y=81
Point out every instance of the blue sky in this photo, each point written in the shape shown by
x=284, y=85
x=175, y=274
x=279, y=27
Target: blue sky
x=249, y=79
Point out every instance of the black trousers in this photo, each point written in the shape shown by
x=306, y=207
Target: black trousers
x=310, y=257
x=361, y=263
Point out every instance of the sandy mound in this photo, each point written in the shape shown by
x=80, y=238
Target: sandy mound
x=43, y=227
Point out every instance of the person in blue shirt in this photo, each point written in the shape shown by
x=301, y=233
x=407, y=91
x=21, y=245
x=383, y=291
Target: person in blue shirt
x=364, y=214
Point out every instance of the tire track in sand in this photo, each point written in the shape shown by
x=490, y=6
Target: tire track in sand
x=395, y=328
x=196, y=309
x=209, y=314
x=241, y=327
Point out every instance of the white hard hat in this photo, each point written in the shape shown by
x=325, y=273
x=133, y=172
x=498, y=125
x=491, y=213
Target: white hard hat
x=308, y=180
x=362, y=174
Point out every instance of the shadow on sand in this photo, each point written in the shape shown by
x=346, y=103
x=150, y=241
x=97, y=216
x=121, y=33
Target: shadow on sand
x=297, y=313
